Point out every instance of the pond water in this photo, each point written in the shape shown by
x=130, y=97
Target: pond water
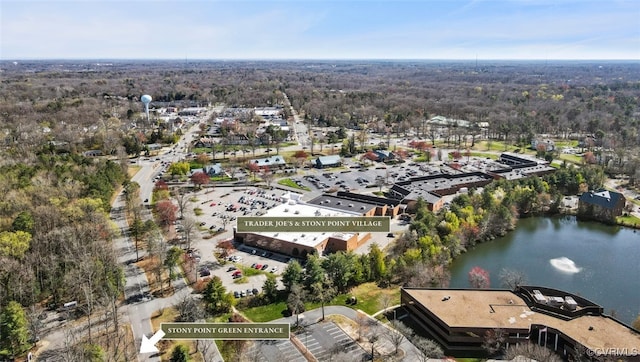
x=595, y=261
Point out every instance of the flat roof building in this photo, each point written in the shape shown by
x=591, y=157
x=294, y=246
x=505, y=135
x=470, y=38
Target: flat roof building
x=569, y=324
x=300, y=244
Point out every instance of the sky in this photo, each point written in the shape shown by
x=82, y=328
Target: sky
x=316, y=29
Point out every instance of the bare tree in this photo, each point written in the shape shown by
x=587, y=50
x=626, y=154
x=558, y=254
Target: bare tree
x=363, y=322
x=189, y=228
x=189, y=309
x=532, y=351
x=511, y=278
x=494, y=340
x=385, y=301
x=373, y=335
x=182, y=198
x=398, y=333
x=427, y=348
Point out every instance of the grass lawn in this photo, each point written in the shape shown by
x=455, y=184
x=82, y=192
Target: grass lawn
x=249, y=271
x=571, y=158
x=223, y=179
x=369, y=297
x=289, y=182
x=266, y=313
x=369, y=300
x=492, y=156
x=629, y=220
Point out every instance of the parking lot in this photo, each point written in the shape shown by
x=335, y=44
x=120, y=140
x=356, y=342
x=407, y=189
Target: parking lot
x=218, y=210
x=359, y=179
x=325, y=341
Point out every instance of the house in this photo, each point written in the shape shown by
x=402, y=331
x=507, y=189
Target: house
x=384, y=155
x=602, y=205
x=328, y=161
x=273, y=161
x=211, y=170
x=546, y=145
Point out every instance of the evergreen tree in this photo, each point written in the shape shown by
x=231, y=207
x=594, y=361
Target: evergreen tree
x=180, y=354
x=13, y=329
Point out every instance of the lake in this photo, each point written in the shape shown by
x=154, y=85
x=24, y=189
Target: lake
x=596, y=261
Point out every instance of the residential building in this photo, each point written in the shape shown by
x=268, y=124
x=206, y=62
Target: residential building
x=328, y=161
x=543, y=144
x=602, y=205
x=275, y=161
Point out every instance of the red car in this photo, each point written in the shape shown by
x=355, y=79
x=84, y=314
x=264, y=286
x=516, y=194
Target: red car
x=258, y=266
x=237, y=272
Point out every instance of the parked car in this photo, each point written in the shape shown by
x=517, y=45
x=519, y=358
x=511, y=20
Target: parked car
x=274, y=269
x=205, y=272
x=265, y=267
x=232, y=268
x=237, y=272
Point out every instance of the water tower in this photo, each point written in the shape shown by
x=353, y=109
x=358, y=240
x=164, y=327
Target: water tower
x=146, y=99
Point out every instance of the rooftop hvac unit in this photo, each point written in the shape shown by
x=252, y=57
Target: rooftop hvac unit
x=556, y=301
x=570, y=303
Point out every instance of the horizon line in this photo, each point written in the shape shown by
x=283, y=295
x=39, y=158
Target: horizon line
x=185, y=60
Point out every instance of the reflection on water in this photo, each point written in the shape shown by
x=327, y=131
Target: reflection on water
x=596, y=261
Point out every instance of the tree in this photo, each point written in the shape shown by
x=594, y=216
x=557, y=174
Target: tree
x=427, y=348
x=14, y=244
x=173, y=255
x=313, y=271
x=295, y=301
x=323, y=292
x=166, y=212
x=479, y=278
x=292, y=275
x=253, y=169
x=494, y=341
x=179, y=168
x=182, y=199
x=180, y=354
x=397, y=333
x=267, y=175
x=512, y=278
x=189, y=309
x=376, y=259
x=199, y=179
x=216, y=298
x=23, y=222
x=531, y=351
x=13, y=329
x=270, y=289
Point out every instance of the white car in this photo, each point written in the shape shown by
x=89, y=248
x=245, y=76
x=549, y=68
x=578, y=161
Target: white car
x=274, y=269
